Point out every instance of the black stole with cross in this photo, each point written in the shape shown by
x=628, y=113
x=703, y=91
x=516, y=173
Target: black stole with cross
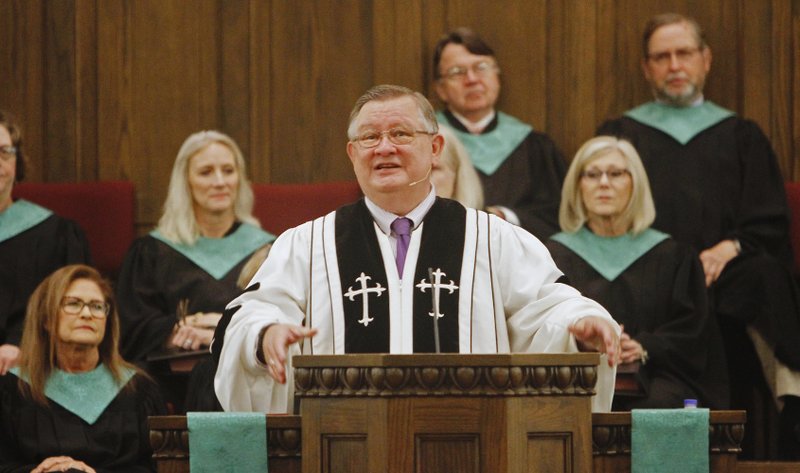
x=358, y=252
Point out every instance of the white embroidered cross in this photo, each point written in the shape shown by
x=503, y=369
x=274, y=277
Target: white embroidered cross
x=364, y=291
x=437, y=285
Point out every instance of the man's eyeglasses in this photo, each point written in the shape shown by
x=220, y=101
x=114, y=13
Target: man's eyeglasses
x=8, y=152
x=613, y=175
x=479, y=69
x=398, y=136
x=682, y=55
x=74, y=306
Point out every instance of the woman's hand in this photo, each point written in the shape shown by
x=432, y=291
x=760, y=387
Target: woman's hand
x=203, y=319
x=188, y=337
x=631, y=349
x=62, y=464
x=9, y=357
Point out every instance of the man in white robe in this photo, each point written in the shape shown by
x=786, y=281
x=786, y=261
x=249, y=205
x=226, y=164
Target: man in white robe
x=334, y=285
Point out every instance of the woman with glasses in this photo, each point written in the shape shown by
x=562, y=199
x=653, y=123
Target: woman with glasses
x=34, y=242
x=651, y=284
x=73, y=404
x=176, y=281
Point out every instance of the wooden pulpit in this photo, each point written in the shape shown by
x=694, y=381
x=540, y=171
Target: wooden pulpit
x=381, y=413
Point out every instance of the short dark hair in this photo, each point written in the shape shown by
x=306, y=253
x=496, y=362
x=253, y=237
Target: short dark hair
x=664, y=19
x=464, y=36
x=7, y=120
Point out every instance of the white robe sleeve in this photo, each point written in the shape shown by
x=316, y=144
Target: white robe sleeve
x=241, y=381
x=539, y=310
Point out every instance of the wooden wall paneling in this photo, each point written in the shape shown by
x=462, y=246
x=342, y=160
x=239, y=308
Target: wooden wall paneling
x=571, y=64
x=174, y=91
x=755, y=67
x=233, y=71
x=398, y=50
x=259, y=87
x=780, y=84
x=322, y=61
x=346, y=42
x=612, y=65
x=21, y=50
x=204, y=40
x=114, y=93
x=294, y=95
x=86, y=90
x=433, y=25
x=720, y=22
x=58, y=160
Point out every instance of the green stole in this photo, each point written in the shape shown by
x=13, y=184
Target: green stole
x=87, y=395
x=610, y=256
x=217, y=256
x=681, y=123
x=20, y=216
x=489, y=150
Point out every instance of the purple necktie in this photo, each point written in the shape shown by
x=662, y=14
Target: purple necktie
x=402, y=228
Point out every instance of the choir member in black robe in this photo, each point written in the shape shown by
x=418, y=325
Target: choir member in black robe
x=521, y=169
x=176, y=281
x=651, y=284
x=717, y=186
x=34, y=242
x=74, y=404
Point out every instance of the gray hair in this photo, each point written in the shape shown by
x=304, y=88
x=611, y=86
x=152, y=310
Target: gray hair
x=640, y=211
x=178, y=222
x=387, y=92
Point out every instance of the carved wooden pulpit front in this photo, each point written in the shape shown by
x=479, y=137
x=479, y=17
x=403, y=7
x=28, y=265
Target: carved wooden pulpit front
x=381, y=413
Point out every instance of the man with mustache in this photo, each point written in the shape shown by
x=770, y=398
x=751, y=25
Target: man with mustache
x=521, y=169
x=717, y=186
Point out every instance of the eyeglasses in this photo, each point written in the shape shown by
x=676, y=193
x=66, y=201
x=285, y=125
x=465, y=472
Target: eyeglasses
x=398, y=136
x=480, y=69
x=614, y=175
x=681, y=55
x=8, y=152
x=74, y=306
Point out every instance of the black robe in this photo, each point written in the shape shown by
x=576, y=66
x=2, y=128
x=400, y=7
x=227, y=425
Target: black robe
x=29, y=257
x=661, y=300
x=154, y=279
x=528, y=182
x=725, y=183
x=119, y=441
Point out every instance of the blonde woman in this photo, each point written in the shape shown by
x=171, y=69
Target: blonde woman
x=176, y=281
x=73, y=404
x=651, y=284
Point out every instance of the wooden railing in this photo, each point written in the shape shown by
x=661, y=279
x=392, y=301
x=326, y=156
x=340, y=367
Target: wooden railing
x=611, y=447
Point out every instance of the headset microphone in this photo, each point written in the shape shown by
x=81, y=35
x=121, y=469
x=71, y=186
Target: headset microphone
x=427, y=175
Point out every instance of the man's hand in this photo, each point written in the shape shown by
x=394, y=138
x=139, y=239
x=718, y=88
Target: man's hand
x=9, y=357
x=597, y=334
x=715, y=258
x=277, y=339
